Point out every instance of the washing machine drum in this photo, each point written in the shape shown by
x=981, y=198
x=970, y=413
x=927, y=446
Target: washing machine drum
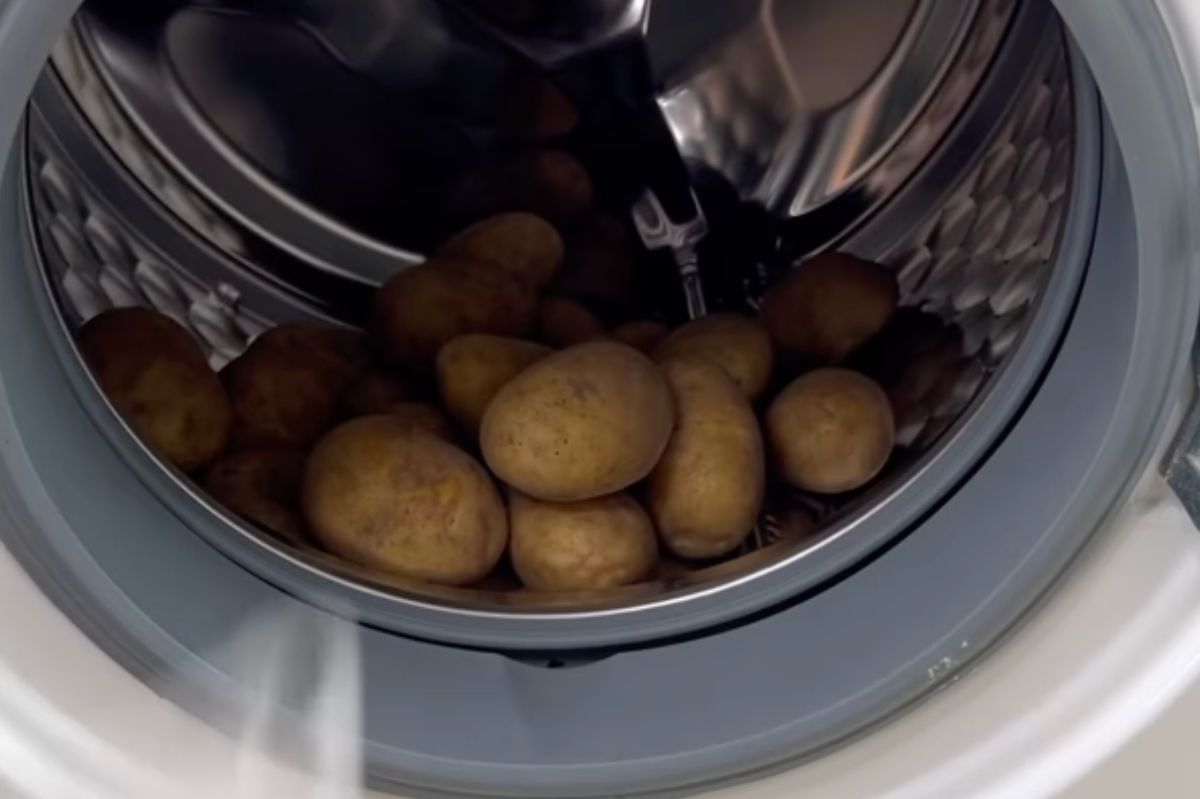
x=1027, y=169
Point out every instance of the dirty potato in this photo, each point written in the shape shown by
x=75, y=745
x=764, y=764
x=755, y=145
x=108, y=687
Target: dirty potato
x=579, y=546
x=586, y=421
x=155, y=374
x=522, y=244
x=420, y=309
x=706, y=491
x=263, y=485
x=472, y=369
x=286, y=388
x=384, y=495
x=830, y=430
x=828, y=306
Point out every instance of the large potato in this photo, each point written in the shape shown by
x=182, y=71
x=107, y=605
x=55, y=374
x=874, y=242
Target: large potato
x=422, y=308
x=586, y=421
x=263, y=485
x=830, y=430
x=287, y=387
x=706, y=492
x=385, y=495
x=736, y=344
x=522, y=244
x=581, y=546
x=828, y=306
x=156, y=375
x=563, y=322
x=472, y=369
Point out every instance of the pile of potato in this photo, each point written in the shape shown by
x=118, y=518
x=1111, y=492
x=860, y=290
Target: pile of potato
x=481, y=415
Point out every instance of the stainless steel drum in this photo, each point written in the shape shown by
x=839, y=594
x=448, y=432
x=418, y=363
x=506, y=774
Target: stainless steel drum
x=186, y=162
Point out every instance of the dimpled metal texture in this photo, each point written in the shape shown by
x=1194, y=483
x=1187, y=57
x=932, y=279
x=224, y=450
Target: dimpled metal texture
x=96, y=262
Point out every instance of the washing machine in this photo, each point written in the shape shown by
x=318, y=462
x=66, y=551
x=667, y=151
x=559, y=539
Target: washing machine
x=1016, y=600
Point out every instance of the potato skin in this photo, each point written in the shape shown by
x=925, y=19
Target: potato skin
x=586, y=421
x=385, y=495
x=828, y=306
x=706, y=492
x=736, y=344
x=643, y=335
x=287, y=387
x=263, y=485
x=424, y=416
x=580, y=546
x=155, y=374
x=547, y=182
x=471, y=370
x=830, y=430
x=563, y=322
x=522, y=244
x=374, y=392
x=420, y=309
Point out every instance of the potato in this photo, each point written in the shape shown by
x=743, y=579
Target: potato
x=642, y=335
x=422, y=308
x=581, y=546
x=586, y=421
x=915, y=359
x=524, y=245
x=533, y=109
x=154, y=373
x=829, y=306
x=830, y=430
x=736, y=344
x=472, y=369
x=384, y=495
x=263, y=485
x=424, y=416
x=601, y=263
x=287, y=387
x=706, y=492
x=549, y=183
x=373, y=392
x=563, y=322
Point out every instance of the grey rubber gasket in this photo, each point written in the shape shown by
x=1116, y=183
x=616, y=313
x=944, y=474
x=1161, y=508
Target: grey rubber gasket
x=727, y=704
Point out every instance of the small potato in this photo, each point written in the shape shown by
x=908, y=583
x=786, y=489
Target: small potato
x=422, y=308
x=736, y=344
x=373, y=392
x=581, y=546
x=563, y=322
x=831, y=431
x=586, y=421
x=642, y=335
x=423, y=416
x=472, y=369
x=263, y=485
x=828, y=306
x=287, y=387
x=384, y=495
x=524, y=245
x=154, y=372
x=706, y=491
